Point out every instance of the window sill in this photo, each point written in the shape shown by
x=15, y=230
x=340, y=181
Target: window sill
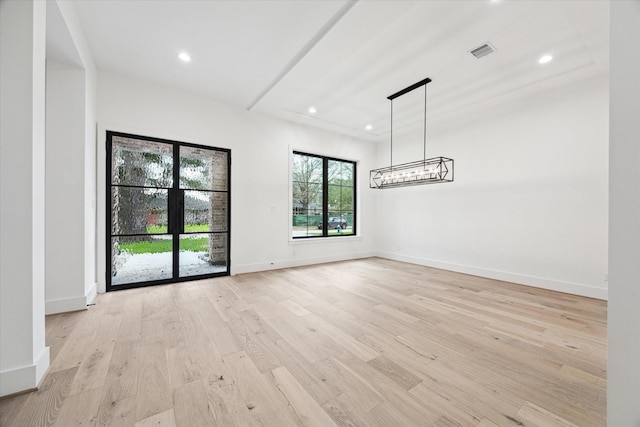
x=315, y=240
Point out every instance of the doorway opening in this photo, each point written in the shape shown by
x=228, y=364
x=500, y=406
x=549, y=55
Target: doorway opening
x=168, y=211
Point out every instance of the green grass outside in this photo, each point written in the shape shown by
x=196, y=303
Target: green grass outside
x=189, y=228
x=161, y=246
x=343, y=232
x=315, y=232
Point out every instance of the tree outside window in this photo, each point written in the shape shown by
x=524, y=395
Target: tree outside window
x=324, y=195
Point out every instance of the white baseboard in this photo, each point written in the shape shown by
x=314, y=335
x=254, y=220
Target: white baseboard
x=25, y=377
x=538, y=282
x=298, y=262
x=65, y=305
x=90, y=296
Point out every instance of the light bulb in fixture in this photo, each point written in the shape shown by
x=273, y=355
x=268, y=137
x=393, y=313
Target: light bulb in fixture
x=184, y=57
x=368, y=127
x=312, y=110
x=545, y=59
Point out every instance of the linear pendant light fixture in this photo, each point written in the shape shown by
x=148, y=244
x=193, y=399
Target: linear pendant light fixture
x=425, y=171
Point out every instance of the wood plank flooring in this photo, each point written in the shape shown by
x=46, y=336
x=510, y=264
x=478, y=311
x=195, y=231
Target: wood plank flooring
x=359, y=343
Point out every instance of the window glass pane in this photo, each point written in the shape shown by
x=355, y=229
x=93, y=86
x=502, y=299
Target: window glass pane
x=340, y=198
x=307, y=224
x=335, y=172
x=314, y=232
x=307, y=169
x=334, y=198
x=346, y=198
x=341, y=223
x=314, y=222
x=307, y=196
x=314, y=197
x=141, y=163
x=347, y=174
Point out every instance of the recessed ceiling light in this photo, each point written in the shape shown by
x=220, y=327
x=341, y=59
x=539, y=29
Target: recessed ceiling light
x=184, y=56
x=545, y=58
x=368, y=127
x=312, y=110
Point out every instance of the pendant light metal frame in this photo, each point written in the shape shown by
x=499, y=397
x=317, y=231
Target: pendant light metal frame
x=426, y=171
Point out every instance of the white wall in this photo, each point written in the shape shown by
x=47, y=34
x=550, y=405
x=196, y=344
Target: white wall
x=260, y=192
x=89, y=125
x=23, y=355
x=529, y=201
x=623, y=374
x=71, y=281
x=65, y=177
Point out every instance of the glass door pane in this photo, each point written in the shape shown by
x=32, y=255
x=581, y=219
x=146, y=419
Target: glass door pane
x=204, y=169
x=205, y=211
x=141, y=178
x=204, y=176
x=202, y=253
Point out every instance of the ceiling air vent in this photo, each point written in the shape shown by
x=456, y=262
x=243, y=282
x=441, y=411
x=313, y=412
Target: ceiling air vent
x=483, y=50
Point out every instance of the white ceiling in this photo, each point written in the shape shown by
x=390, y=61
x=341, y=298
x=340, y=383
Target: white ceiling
x=345, y=57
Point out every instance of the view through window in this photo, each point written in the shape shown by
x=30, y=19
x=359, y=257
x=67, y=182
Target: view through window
x=324, y=196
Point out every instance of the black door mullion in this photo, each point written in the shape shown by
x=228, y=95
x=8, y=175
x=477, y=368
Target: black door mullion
x=109, y=206
x=325, y=197
x=175, y=226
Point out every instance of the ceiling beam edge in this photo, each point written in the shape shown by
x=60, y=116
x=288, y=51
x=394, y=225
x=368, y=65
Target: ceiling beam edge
x=304, y=51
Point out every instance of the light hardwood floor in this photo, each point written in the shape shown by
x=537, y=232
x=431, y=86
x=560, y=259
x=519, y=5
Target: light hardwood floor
x=360, y=343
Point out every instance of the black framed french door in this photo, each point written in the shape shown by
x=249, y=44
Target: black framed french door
x=168, y=211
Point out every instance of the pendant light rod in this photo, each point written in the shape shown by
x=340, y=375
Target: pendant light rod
x=409, y=88
x=424, y=152
x=391, y=135
x=402, y=92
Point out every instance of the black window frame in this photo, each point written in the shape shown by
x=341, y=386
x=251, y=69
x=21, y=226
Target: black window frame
x=325, y=196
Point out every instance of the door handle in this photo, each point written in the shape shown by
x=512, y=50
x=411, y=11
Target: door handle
x=175, y=218
x=171, y=211
x=181, y=211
